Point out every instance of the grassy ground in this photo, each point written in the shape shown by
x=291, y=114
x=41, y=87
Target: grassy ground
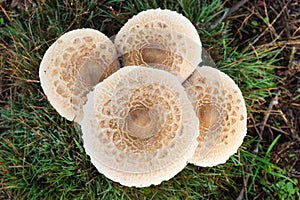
x=41, y=154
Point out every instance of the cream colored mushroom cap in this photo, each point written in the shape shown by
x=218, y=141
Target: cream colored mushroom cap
x=139, y=126
x=161, y=39
x=222, y=114
x=72, y=65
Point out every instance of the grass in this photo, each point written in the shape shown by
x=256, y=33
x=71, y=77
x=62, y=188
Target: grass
x=41, y=154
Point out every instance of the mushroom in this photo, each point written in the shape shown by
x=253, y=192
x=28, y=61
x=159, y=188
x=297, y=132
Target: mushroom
x=139, y=127
x=72, y=65
x=161, y=39
x=221, y=109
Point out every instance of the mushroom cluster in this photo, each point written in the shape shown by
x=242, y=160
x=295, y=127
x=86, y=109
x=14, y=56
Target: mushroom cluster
x=145, y=118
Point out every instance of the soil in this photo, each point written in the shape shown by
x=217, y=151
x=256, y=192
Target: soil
x=266, y=24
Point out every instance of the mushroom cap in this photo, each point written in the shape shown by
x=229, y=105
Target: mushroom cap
x=72, y=65
x=139, y=126
x=161, y=39
x=221, y=109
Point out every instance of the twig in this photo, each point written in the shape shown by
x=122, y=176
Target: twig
x=266, y=117
x=271, y=25
x=229, y=12
x=260, y=134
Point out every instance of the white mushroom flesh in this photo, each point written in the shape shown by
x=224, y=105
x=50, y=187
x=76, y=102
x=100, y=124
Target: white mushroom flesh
x=222, y=114
x=139, y=126
x=161, y=39
x=72, y=65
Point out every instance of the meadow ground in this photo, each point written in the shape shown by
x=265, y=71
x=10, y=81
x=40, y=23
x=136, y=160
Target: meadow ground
x=257, y=44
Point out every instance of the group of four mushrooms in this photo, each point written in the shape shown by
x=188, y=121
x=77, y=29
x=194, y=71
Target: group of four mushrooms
x=146, y=105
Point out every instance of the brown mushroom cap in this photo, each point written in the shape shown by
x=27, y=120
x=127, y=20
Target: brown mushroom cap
x=161, y=39
x=222, y=114
x=72, y=65
x=139, y=126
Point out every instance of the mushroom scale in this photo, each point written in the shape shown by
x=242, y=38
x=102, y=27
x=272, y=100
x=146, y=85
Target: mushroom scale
x=161, y=39
x=72, y=65
x=222, y=114
x=139, y=126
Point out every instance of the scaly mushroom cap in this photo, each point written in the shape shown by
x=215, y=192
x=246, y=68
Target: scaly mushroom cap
x=161, y=39
x=72, y=65
x=139, y=126
x=222, y=114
